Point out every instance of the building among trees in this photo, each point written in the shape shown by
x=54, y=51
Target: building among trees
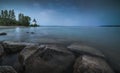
x=34, y=23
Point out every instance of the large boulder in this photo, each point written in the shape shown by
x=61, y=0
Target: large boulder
x=1, y=50
x=27, y=52
x=7, y=69
x=89, y=64
x=51, y=59
x=13, y=47
x=84, y=49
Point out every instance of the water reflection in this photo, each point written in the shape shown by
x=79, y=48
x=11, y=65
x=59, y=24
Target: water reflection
x=17, y=33
x=17, y=29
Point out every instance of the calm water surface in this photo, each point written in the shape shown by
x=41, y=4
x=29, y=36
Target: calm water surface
x=106, y=39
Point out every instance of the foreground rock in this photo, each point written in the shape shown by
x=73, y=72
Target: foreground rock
x=7, y=69
x=13, y=47
x=83, y=49
x=1, y=50
x=27, y=52
x=89, y=64
x=51, y=59
x=3, y=33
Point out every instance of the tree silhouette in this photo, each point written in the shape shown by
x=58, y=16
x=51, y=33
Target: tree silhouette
x=8, y=18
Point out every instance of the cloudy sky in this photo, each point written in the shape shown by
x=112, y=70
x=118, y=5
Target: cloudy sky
x=67, y=12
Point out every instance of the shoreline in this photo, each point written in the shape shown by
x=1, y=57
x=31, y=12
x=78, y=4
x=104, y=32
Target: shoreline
x=69, y=56
x=7, y=27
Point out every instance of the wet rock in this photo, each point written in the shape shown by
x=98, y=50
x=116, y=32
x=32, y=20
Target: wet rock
x=7, y=69
x=18, y=67
x=83, y=49
x=51, y=59
x=1, y=50
x=13, y=47
x=27, y=52
x=89, y=64
x=32, y=32
x=11, y=60
x=3, y=33
x=27, y=32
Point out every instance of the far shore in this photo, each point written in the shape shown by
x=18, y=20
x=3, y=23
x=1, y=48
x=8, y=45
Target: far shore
x=4, y=27
x=7, y=27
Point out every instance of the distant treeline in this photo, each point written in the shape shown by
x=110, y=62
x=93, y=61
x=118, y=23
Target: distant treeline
x=8, y=18
x=110, y=26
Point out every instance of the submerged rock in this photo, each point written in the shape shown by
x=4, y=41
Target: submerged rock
x=27, y=32
x=32, y=32
x=7, y=69
x=51, y=59
x=27, y=52
x=3, y=33
x=13, y=47
x=83, y=49
x=89, y=64
x=1, y=50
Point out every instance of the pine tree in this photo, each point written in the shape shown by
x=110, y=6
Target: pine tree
x=2, y=13
x=9, y=14
x=13, y=15
x=20, y=17
x=6, y=14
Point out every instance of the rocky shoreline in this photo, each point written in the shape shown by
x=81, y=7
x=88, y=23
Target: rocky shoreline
x=51, y=58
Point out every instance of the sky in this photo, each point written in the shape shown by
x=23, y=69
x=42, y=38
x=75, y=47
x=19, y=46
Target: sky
x=67, y=12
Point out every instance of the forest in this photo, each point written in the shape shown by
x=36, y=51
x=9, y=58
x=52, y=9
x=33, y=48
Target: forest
x=8, y=18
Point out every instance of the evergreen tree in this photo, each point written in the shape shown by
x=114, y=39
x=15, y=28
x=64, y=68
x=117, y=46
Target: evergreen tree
x=24, y=20
x=0, y=16
x=2, y=13
x=9, y=14
x=20, y=18
x=6, y=14
x=13, y=15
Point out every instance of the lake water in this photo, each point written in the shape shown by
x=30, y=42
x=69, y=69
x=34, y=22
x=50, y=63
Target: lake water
x=106, y=39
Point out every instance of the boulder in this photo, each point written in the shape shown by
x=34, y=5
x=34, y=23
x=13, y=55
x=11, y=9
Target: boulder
x=13, y=47
x=84, y=49
x=89, y=64
x=1, y=50
x=7, y=69
x=3, y=33
x=51, y=59
x=27, y=52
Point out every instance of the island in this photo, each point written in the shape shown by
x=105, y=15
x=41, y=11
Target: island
x=8, y=18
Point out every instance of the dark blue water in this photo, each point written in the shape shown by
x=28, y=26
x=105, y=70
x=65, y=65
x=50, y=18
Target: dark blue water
x=106, y=39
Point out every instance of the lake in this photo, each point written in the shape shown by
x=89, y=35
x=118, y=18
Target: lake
x=106, y=39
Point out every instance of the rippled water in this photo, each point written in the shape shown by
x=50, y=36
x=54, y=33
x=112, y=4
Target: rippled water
x=107, y=39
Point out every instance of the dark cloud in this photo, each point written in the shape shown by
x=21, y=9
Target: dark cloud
x=85, y=4
x=73, y=12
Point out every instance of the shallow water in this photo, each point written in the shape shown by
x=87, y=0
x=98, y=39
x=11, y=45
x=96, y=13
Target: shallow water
x=107, y=39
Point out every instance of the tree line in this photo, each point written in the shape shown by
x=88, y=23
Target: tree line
x=8, y=18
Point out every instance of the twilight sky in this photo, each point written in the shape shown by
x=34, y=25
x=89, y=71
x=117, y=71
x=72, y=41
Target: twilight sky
x=67, y=12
